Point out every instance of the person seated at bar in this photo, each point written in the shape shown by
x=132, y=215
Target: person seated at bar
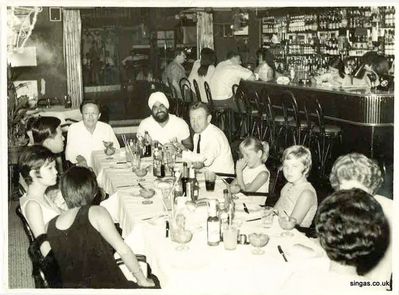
x=335, y=74
x=251, y=171
x=37, y=167
x=175, y=71
x=83, y=238
x=162, y=126
x=354, y=232
x=88, y=135
x=202, y=71
x=266, y=69
x=357, y=171
x=211, y=147
x=298, y=197
x=228, y=73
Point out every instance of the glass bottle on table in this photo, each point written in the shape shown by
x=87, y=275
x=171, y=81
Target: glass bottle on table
x=147, y=144
x=184, y=177
x=213, y=224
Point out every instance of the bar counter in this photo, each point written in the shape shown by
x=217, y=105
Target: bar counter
x=365, y=116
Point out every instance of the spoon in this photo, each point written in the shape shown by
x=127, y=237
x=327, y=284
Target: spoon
x=140, y=185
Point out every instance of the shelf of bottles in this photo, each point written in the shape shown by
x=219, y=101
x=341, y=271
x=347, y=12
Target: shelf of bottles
x=310, y=40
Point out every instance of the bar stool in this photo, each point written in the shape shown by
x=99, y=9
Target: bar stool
x=175, y=101
x=219, y=114
x=269, y=133
x=326, y=136
x=240, y=114
x=185, y=89
x=197, y=91
x=286, y=123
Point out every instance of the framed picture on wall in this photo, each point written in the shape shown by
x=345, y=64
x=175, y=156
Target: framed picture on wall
x=55, y=14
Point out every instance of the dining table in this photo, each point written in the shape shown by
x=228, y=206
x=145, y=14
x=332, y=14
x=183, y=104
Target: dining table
x=200, y=268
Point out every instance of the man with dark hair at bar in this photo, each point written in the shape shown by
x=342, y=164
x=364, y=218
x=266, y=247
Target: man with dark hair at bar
x=88, y=135
x=228, y=73
x=162, y=126
x=175, y=71
x=211, y=147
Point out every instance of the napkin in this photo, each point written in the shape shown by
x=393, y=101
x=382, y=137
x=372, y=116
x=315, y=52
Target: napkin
x=283, y=80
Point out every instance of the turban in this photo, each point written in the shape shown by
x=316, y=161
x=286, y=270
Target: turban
x=158, y=97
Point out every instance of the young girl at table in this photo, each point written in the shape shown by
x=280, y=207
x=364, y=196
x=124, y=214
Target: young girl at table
x=298, y=197
x=83, y=239
x=251, y=171
x=37, y=167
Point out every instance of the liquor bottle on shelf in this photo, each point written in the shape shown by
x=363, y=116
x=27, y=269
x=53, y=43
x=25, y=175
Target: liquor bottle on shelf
x=213, y=224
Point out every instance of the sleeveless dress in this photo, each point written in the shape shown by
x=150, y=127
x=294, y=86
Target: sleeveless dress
x=49, y=210
x=289, y=197
x=249, y=174
x=85, y=258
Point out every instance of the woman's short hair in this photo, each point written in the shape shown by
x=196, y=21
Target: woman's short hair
x=353, y=229
x=356, y=167
x=33, y=158
x=268, y=57
x=337, y=63
x=256, y=145
x=43, y=128
x=78, y=186
x=301, y=153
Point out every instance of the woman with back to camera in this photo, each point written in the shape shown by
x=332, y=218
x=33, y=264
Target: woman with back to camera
x=202, y=71
x=266, y=68
x=354, y=232
x=83, y=239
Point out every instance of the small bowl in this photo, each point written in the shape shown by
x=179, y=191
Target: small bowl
x=286, y=222
x=141, y=172
x=147, y=194
x=258, y=240
x=181, y=236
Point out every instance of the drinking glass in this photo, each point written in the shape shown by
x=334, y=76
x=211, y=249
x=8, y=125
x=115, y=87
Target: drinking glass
x=210, y=178
x=136, y=161
x=267, y=218
x=258, y=241
x=230, y=237
x=147, y=194
x=287, y=223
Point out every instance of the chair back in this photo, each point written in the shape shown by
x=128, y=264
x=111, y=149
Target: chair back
x=290, y=107
x=320, y=117
x=185, y=90
x=208, y=94
x=45, y=270
x=239, y=99
x=197, y=91
x=25, y=224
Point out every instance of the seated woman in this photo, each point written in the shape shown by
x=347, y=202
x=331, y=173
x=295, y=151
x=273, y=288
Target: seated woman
x=354, y=232
x=298, y=197
x=202, y=71
x=266, y=68
x=37, y=167
x=83, y=239
x=252, y=174
x=357, y=171
x=335, y=74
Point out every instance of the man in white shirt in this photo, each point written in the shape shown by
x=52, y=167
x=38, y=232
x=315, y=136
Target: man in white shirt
x=228, y=73
x=162, y=126
x=88, y=135
x=211, y=146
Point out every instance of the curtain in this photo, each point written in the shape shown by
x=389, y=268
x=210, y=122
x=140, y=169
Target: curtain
x=72, y=55
x=204, y=31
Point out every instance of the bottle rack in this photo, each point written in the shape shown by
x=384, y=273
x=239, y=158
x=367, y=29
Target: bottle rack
x=321, y=34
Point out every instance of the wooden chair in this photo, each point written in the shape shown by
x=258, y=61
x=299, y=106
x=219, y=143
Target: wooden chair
x=45, y=270
x=197, y=90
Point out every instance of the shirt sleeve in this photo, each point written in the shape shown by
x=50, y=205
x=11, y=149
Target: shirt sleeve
x=140, y=129
x=112, y=137
x=211, y=150
x=244, y=73
x=184, y=130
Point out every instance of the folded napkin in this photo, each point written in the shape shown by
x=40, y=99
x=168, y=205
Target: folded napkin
x=283, y=80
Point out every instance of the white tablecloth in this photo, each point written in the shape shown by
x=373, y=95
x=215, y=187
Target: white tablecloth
x=201, y=269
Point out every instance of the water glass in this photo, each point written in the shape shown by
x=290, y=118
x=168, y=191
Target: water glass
x=268, y=216
x=230, y=237
x=136, y=161
x=210, y=178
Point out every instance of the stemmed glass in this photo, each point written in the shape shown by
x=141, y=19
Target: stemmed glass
x=287, y=223
x=147, y=194
x=258, y=241
x=180, y=234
